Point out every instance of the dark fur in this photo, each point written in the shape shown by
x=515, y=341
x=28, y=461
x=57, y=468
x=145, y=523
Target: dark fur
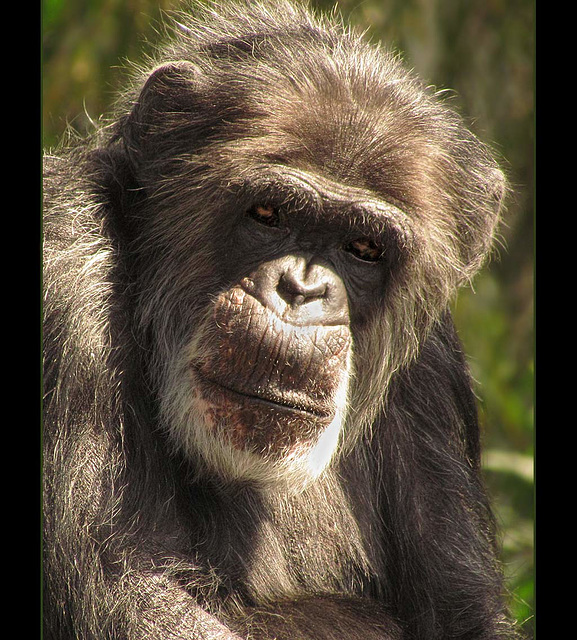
x=395, y=540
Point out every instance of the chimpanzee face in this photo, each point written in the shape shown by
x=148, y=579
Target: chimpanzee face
x=290, y=262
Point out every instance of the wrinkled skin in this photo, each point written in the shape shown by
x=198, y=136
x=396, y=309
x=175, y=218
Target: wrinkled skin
x=291, y=373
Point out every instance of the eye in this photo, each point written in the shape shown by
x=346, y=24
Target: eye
x=364, y=249
x=264, y=214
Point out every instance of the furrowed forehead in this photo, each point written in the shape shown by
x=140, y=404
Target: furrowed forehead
x=364, y=149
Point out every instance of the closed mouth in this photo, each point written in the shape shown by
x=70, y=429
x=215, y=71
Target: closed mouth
x=276, y=402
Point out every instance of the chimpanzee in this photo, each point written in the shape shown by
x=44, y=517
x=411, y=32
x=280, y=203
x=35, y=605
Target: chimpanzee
x=258, y=419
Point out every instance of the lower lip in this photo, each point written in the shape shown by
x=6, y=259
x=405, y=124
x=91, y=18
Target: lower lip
x=317, y=415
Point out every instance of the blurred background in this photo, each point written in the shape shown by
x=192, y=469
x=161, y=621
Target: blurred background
x=484, y=51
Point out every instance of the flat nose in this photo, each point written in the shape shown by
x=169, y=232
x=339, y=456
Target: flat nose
x=299, y=285
x=300, y=290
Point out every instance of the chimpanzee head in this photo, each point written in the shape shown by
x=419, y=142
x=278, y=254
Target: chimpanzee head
x=302, y=211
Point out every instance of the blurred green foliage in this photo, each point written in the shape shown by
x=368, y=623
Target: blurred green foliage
x=482, y=49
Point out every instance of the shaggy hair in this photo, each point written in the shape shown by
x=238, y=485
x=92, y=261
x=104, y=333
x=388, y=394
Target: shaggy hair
x=155, y=528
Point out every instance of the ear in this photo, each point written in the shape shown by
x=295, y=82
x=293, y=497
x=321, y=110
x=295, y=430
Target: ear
x=167, y=107
x=498, y=188
x=481, y=213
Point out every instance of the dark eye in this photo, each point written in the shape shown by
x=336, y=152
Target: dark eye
x=264, y=214
x=364, y=249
